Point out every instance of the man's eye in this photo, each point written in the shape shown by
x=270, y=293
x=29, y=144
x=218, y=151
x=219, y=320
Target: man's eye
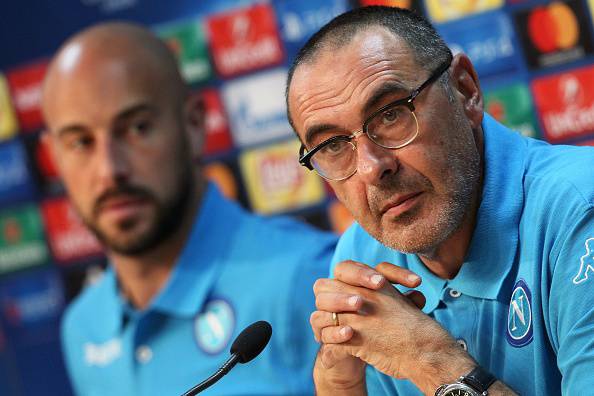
x=80, y=143
x=140, y=128
x=390, y=116
x=334, y=148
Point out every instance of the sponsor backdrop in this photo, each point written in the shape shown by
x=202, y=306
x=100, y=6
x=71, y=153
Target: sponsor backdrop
x=535, y=60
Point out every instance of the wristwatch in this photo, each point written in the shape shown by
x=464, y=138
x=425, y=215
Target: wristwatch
x=474, y=383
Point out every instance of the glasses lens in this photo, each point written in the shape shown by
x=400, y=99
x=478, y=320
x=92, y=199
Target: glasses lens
x=393, y=127
x=335, y=160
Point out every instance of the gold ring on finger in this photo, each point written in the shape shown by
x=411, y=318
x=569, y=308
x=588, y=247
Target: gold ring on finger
x=335, y=319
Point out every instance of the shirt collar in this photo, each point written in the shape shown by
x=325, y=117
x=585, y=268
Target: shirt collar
x=202, y=258
x=495, y=239
x=194, y=273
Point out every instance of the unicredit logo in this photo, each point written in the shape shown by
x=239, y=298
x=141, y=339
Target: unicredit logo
x=570, y=90
x=576, y=117
x=553, y=27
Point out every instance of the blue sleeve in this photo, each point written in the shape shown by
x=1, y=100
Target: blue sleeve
x=344, y=249
x=301, y=300
x=374, y=385
x=571, y=305
x=69, y=352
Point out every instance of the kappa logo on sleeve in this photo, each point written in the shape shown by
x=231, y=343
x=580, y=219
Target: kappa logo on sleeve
x=586, y=263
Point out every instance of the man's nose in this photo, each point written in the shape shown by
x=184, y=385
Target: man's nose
x=112, y=162
x=374, y=162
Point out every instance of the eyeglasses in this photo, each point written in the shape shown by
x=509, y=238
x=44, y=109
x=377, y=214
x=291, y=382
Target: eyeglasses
x=392, y=126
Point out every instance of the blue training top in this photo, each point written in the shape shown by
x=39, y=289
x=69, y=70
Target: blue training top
x=235, y=269
x=523, y=301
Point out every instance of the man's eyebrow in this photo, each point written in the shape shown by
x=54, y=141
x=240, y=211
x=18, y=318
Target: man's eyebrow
x=317, y=129
x=121, y=116
x=132, y=110
x=71, y=129
x=386, y=89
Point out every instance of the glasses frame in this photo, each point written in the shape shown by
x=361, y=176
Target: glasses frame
x=305, y=157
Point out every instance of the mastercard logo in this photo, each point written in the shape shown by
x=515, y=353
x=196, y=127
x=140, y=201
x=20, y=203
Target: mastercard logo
x=553, y=27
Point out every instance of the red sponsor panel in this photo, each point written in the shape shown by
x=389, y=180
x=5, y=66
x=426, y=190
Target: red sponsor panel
x=25, y=86
x=565, y=104
x=218, y=137
x=44, y=160
x=244, y=40
x=69, y=239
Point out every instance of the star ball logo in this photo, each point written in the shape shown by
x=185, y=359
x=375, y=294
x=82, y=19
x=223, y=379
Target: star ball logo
x=554, y=34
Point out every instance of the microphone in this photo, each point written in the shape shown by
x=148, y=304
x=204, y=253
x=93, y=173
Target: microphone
x=248, y=344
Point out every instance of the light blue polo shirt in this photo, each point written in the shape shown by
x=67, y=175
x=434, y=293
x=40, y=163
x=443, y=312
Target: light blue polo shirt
x=523, y=301
x=236, y=268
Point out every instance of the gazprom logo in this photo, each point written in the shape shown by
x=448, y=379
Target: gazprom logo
x=214, y=326
x=519, y=318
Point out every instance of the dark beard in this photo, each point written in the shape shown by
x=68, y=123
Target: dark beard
x=168, y=218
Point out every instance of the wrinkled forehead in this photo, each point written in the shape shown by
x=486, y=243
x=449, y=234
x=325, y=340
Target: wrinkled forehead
x=339, y=80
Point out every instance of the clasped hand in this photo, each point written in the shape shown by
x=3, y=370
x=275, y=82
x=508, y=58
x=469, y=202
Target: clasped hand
x=378, y=325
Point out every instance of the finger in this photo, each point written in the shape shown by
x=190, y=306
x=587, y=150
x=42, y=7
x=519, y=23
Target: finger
x=358, y=274
x=338, y=302
x=417, y=298
x=336, y=334
x=329, y=285
x=318, y=320
x=398, y=275
x=330, y=355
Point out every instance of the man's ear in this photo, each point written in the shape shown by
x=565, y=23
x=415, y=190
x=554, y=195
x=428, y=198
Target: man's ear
x=467, y=88
x=195, y=123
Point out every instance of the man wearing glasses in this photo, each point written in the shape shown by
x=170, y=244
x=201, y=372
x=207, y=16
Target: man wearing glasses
x=490, y=233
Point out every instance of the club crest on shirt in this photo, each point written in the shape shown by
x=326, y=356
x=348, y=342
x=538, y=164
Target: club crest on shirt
x=214, y=326
x=519, y=317
x=586, y=263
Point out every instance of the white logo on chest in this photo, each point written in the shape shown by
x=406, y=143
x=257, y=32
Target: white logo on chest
x=102, y=354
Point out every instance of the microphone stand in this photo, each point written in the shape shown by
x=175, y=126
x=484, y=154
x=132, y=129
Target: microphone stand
x=225, y=368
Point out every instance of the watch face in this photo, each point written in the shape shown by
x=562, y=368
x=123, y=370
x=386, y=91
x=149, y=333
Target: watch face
x=459, y=389
x=458, y=392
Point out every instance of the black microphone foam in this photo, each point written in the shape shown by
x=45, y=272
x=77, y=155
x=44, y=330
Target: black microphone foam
x=251, y=341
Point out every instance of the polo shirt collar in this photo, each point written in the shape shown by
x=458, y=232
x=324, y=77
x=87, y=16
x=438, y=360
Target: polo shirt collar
x=202, y=258
x=495, y=239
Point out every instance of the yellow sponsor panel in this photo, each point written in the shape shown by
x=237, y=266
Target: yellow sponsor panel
x=274, y=180
x=445, y=10
x=591, y=4
x=8, y=121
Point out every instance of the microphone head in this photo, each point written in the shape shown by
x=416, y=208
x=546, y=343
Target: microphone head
x=251, y=341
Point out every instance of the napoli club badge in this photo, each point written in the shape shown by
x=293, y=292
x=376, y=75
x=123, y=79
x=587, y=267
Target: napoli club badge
x=519, y=318
x=213, y=327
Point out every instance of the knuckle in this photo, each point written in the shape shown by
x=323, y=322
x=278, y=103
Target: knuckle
x=318, y=285
x=313, y=318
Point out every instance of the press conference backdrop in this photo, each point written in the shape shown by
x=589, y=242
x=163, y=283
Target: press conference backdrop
x=534, y=58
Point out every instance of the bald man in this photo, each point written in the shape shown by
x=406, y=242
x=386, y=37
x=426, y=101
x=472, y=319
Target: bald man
x=188, y=269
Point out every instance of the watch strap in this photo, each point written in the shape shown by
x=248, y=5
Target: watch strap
x=479, y=379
